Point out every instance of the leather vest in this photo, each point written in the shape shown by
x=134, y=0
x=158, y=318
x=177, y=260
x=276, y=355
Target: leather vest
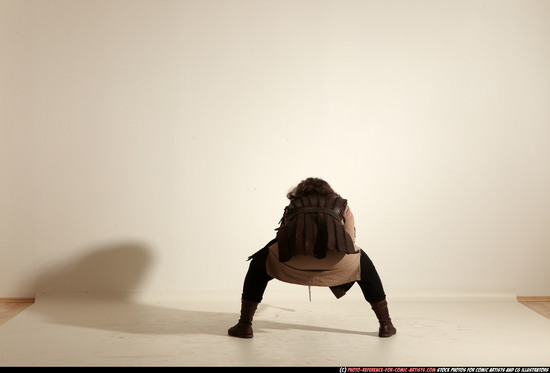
x=311, y=226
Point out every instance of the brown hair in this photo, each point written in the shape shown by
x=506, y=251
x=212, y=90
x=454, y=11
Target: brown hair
x=311, y=186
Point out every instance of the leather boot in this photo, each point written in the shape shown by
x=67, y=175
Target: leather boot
x=243, y=329
x=386, y=327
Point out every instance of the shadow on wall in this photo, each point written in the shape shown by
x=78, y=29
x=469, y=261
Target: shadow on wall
x=117, y=268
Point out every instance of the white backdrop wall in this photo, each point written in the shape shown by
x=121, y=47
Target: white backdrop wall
x=149, y=145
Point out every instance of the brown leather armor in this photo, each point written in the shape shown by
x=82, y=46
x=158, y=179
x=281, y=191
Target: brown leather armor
x=312, y=225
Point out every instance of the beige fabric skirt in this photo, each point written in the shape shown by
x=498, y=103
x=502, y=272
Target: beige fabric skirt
x=335, y=269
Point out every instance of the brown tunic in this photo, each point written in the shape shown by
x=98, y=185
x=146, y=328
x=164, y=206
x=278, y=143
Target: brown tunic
x=335, y=269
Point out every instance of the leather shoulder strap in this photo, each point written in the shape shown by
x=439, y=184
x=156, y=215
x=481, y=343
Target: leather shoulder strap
x=305, y=210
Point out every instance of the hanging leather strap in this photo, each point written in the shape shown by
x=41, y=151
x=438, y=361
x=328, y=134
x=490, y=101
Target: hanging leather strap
x=312, y=225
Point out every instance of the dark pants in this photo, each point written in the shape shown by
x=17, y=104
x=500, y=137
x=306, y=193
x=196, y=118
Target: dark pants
x=257, y=278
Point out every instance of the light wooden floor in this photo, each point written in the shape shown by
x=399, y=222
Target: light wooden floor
x=11, y=307
x=538, y=304
x=191, y=330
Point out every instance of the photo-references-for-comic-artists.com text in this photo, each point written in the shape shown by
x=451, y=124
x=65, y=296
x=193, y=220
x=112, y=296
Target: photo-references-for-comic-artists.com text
x=446, y=370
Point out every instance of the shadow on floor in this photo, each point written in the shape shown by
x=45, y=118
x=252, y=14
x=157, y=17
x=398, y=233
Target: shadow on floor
x=114, y=271
x=129, y=317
